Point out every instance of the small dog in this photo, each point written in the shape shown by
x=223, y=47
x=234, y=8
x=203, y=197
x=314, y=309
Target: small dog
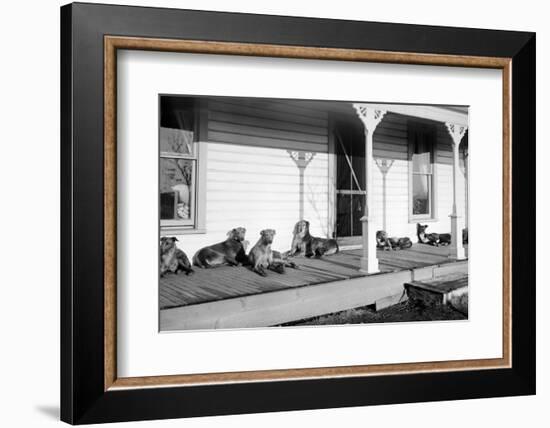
x=303, y=242
x=391, y=243
x=261, y=255
x=172, y=259
x=435, y=239
x=231, y=252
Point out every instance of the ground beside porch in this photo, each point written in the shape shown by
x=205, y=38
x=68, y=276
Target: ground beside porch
x=210, y=285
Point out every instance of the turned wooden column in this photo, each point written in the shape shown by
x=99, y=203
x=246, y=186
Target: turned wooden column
x=371, y=118
x=384, y=165
x=302, y=160
x=458, y=212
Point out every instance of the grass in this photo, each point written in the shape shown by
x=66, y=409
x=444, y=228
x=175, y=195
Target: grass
x=402, y=312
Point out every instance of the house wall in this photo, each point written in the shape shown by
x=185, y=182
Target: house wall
x=252, y=180
x=390, y=142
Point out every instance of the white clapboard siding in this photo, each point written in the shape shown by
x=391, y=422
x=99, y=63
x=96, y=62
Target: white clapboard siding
x=252, y=180
x=390, y=142
x=261, y=131
x=244, y=119
x=267, y=124
x=273, y=112
x=250, y=140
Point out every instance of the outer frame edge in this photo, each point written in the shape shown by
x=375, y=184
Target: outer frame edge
x=66, y=304
x=524, y=216
x=104, y=409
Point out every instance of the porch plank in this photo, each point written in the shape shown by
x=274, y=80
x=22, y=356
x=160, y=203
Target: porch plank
x=226, y=282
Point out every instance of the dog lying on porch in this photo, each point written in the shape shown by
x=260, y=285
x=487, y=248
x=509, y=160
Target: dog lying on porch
x=383, y=241
x=262, y=257
x=231, y=252
x=435, y=239
x=172, y=259
x=304, y=243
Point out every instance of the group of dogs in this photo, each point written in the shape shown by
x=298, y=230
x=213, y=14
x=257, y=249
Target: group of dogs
x=385, y=242
x=232, y=251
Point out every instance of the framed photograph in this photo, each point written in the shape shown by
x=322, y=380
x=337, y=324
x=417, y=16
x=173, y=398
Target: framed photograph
x=266, y=213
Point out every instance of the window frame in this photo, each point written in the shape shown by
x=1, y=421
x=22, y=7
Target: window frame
x=192, y=209
x=197, y=221
x=432, y=188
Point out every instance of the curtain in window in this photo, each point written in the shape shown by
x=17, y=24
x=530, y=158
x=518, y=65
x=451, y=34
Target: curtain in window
x=422, y=138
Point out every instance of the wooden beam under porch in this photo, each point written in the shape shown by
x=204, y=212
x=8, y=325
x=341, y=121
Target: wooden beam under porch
x=235, y=297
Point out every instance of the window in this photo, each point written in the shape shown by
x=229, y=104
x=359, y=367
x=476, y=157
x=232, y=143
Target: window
x=422, y=140
x=178, y=164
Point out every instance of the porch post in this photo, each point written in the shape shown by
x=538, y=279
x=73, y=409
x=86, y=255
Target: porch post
x=371, y=118
x=302, y=160
x=458, y=214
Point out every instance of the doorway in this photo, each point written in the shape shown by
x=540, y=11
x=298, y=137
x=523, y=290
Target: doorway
x=349, y=143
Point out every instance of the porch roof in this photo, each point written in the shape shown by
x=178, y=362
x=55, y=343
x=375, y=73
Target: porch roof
x=457, y=115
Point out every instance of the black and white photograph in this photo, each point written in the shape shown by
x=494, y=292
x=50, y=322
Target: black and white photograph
x=295, y=212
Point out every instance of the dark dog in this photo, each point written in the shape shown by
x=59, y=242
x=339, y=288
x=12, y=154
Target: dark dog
x=172, y=259
x=435, y=239
x=304, y=243
x=261, y=255
x=232, y=251
x=391, y=243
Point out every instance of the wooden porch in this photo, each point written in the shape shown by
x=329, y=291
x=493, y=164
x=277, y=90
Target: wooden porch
x=210, y=285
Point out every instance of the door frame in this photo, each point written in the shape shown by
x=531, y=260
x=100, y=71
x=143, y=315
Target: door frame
x=333, y=191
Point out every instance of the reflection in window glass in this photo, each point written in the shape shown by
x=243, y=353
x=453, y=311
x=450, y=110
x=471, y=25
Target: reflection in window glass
x=178, y=141
x=421, y=194
x=422, y=162
x=422, y=137
x=176, y=188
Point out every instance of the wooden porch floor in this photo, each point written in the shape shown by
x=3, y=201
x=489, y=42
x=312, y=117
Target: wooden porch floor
x=207, y=285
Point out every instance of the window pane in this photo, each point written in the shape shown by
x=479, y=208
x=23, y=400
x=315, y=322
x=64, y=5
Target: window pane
x=343, y=178
x=422, y=162
x=358, y=163
x=343, y=217
x=421, y=194
x=422, y=139
x=350, y=209
x=176, y=141
x=358, y=210
x=176, y=188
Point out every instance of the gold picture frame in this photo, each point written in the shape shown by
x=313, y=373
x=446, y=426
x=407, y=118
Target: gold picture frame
x=114, y=43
